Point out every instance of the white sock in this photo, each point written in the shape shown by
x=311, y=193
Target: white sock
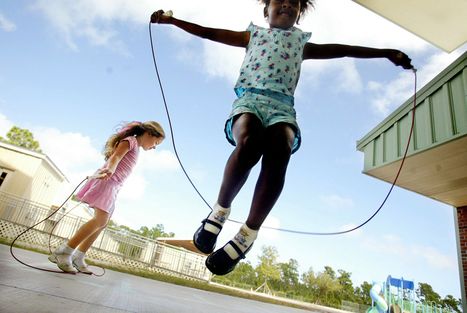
x=65, y=249
x=78, y=255
x=218, y=215
x=243, y=240
x=63, y=257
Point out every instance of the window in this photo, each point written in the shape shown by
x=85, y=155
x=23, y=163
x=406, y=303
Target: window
x=2, y=177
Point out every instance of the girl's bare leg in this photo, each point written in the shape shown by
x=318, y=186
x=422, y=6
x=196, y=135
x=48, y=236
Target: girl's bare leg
x=279, y=139
x=87, y=243
x=86, y=235
x=248, y=134
x=277, y=148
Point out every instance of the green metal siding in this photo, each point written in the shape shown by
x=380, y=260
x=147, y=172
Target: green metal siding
x=459, y=101
x=422, y=133
x=440, y=116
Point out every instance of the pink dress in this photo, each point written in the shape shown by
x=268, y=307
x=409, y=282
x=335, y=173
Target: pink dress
x=102, y=194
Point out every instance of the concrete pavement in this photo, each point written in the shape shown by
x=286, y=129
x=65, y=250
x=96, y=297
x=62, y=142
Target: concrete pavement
x=23, y=289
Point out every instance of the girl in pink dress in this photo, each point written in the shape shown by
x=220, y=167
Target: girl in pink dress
x=121, y=154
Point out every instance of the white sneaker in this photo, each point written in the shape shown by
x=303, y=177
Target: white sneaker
x=63, y=261
x=81, y=266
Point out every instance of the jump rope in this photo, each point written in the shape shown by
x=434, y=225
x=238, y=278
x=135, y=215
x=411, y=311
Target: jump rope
x=50, y=234
x=169, y=13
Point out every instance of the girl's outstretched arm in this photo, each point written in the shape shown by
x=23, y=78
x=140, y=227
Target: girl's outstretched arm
x=331, y=51
x=228, y=37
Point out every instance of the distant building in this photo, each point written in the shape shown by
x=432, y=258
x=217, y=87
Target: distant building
x=32, y=176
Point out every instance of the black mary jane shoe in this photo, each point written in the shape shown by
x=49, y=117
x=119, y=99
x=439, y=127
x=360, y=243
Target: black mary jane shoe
x=220, y=263
x=204, y=240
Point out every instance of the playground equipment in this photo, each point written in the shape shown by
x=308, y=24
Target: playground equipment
x=389, y=298
x=393, y=291
x=381, y=304
x=396, y=300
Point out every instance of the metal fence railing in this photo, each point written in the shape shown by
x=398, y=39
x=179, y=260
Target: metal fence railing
x=113, y=245
x=354, y=307
x=408, y=308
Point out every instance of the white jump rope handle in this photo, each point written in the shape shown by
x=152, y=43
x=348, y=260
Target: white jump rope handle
x=168, y=13
x=95, y=176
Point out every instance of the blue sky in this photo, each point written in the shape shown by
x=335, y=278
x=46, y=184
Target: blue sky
x=70, y=71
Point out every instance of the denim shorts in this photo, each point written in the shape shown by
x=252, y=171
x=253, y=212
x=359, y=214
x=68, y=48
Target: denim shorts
x=270, y=107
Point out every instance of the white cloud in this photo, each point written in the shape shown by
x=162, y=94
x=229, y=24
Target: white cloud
x=335, y=202
x=437, y=63
x=343, y=21
x=393, y=246
x=91, y=20
x=95, y=20
x=353, y=234
x=133, y=189
x=435, y=258
x=73, y=153
x=197, y=173
x=337, y=21
x=387, y=96
x=5, y=125
x=222, y=61
x=122, y=219
x=6, y=25
x=159, y=160
x=271, y=232
x=148, y=161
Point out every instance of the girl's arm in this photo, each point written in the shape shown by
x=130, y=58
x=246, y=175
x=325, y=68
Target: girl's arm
x=331, y=51
x=122, y=148
x=228, y=37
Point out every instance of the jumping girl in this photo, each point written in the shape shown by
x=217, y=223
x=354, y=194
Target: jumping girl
x=263, y=123
x=121, y=154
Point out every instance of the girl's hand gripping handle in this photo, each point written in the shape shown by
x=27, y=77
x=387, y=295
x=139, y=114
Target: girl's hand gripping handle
x=96, y=176
x=161, y=17
x=403, y=60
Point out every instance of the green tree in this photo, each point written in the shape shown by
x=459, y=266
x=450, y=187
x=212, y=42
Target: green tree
x=362, y=293
x=244, y=273
x=289, y=275
x=425, y=293
x=320, y=283
x=154, y=232
x=21, y=137
x=268, y=267
x=450, y=303
x=111, y=222
x=244, y=276
x=132, y=248
x=347, y=291
x=330, y=272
